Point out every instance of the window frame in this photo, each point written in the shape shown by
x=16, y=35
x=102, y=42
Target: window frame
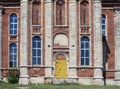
x=85, y=49
x=13, y=55
x=105, y=24
x=36, y=63
x=13, y=23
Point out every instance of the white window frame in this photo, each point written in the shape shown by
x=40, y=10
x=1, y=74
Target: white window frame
x=85, y=52
x=36, y=56
x=13, y=56
x=13, y=24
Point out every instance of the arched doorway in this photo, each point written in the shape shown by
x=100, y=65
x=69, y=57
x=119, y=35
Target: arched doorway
x=60, y=67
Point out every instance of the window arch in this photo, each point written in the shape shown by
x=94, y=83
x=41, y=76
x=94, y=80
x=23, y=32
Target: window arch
x=85, y=51
x=13, y=24
x=36, y=50
x=103, y=25
x=13, y=55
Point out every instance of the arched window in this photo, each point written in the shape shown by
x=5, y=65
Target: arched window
x=13, y=55
x=103, y=25
x=85, y=51
x=13, y=24
x=36, y=50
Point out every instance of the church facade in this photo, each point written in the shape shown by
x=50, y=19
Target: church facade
x=54, y=41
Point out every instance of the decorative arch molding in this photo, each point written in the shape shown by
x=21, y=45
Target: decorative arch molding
x=62, y=54
x=61, y=40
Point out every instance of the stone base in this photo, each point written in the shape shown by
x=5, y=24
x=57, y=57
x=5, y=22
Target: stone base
x=37, y=80
x=117, y=82
x=58, y=81
x=72, y=80
x=69, y=80
x=86, y=80
x=98, y=81
x=24, y=80
x=109, y=82
x=48, y=80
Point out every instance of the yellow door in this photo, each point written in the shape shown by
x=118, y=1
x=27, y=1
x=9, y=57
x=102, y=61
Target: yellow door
x=60, y=69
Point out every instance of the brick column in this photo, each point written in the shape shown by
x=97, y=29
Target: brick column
x=24, y=77
x=98, y=55
x=48, y=38
x=117, y=46
x=72, y=38
x=0, y=43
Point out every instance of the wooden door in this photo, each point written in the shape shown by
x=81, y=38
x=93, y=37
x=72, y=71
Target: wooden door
x=60, y=68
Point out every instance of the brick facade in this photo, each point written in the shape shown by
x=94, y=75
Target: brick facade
x=72, y=20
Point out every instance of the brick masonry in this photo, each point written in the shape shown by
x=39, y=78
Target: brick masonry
x=73, y=28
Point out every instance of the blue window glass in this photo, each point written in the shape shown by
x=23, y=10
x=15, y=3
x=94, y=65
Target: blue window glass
x=85, y=51
x=13, y=24
x=103, y=25
x=13, y=55
x=36, y=50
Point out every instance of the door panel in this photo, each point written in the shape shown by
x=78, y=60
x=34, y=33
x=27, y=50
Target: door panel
x=60, y=69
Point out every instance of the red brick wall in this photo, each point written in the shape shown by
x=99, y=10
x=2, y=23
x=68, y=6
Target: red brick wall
x=6, y=38
x=110, y=41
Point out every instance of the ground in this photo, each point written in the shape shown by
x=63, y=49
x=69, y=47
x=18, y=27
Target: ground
x=52, y=86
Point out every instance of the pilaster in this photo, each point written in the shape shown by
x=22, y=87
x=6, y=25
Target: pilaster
x=117, y=45
x=24, y=77
x=98, y=56
x=1, y=42
x=48, y=37
x=72, y=38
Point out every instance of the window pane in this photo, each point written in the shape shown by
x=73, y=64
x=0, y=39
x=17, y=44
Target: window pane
x=39, y=60
x=87, y=53
x=82, y=53
x=15, y=26
x=87, y=61
x=82, y=45
x=34, y=61
x=103, y=21
x=87, y=45
x=34, y=52
x=38, y=52
x=82, y=61
x=15, y=20
x=15, y=31
x=38, y=44
x=11, y=31
x=103, y=27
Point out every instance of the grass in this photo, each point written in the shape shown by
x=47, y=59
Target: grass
x=52, y=86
